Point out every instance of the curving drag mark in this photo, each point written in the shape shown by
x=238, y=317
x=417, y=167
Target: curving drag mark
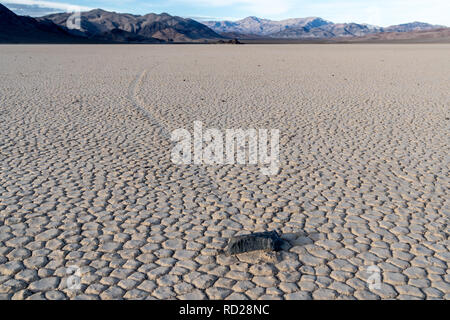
x=133, y=97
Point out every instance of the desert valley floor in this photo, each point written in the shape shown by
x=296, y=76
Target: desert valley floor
x=86, y=179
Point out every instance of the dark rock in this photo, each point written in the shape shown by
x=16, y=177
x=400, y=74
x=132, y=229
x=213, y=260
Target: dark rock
x=233, y=41
x=147, y=28
x=267, y=241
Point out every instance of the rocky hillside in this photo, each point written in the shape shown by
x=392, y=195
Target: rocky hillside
x=100, y=26
x=422, y=36
x=306, y=28
x=151, y=26
x=264, y=27
x=413, y=26
x=18, y=29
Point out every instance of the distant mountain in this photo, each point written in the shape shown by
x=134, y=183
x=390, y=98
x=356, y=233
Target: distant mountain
x=422, y=36
x=328, y=31
x=156, y=27
x=121, y=36
x=413, y=26
x=305, y=28
x=18, y=29
x=264, y=27
x=100, y=26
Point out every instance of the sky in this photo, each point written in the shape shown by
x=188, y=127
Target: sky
x=376, y=12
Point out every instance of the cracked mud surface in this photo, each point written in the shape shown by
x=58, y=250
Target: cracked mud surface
x=86, y=178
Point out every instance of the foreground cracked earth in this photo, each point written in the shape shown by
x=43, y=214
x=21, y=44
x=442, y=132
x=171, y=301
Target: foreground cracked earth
x=87, y=188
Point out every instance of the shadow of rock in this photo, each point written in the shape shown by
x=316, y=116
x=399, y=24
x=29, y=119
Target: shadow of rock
x=288, y=241
x=300, y=238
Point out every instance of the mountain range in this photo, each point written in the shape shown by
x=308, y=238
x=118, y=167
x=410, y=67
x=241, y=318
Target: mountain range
x=418, y=36
x=153, y=27
x=100, y=26
x=305, y=28
x=18, y=29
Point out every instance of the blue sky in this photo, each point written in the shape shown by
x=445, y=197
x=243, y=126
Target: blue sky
x=378, y=12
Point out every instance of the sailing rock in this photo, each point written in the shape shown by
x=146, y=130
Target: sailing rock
x=266, y=241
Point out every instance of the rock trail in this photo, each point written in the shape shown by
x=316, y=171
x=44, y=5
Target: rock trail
x=86, y=178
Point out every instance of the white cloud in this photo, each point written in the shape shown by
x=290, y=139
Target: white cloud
x=49, y=4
